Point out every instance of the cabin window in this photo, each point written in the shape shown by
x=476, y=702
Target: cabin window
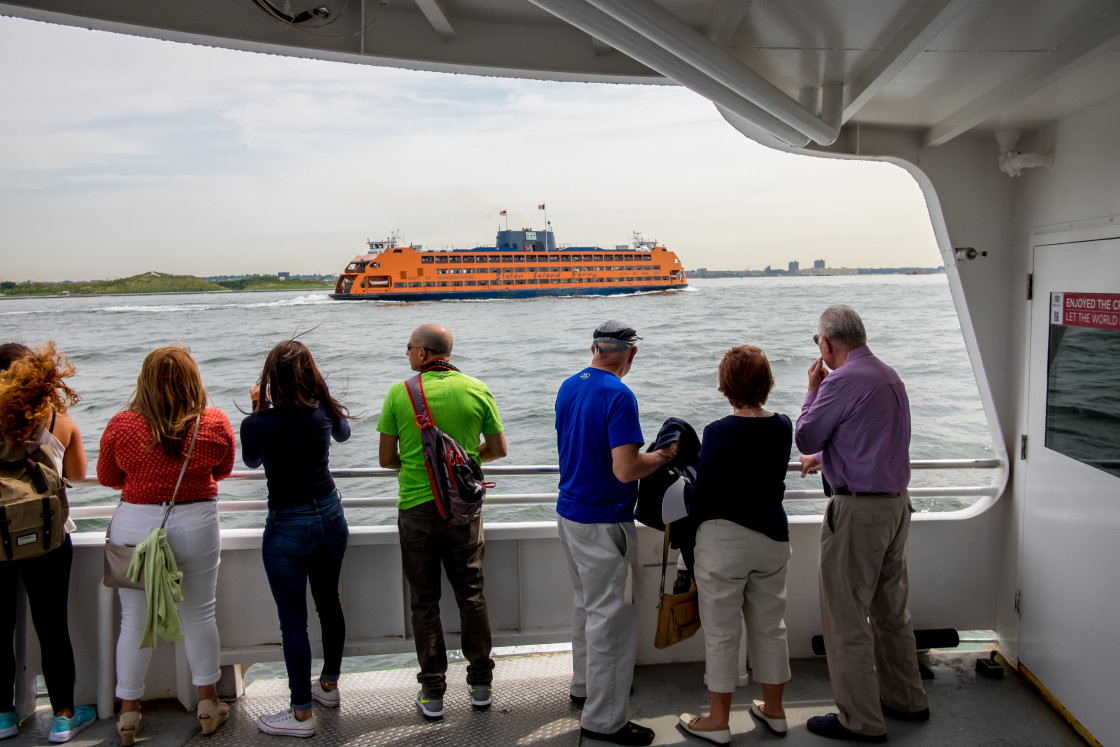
x=455, y=260
x=429, y=285
x=494, y=258
x=397, y=251
x=442, y=284
x=521, y=282
x=598, y=257
x=567, y=280
x=426, y=259
x=480, y=259
x=457, y=283
x=441, y=260
x=468, y=260
x=509, y=282
x=565, y=269
x=565, y=258
x=646, y=257
x=414, y=285
x=1082, y=411
x=507, y=257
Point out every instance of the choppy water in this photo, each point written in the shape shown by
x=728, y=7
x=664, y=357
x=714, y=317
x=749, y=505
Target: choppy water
x=523, y=349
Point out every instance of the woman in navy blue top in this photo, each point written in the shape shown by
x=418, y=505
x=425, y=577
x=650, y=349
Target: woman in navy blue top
x=294, y=418
x=742, y=545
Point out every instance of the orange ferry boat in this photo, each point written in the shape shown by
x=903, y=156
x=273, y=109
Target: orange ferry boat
x=521, y=264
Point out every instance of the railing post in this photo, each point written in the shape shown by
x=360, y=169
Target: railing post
x=106, y=651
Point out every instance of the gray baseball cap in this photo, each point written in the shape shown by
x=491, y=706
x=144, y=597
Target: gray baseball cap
x=614, y=335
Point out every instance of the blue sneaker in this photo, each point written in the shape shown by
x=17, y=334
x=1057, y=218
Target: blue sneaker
x=64, y=729
x=9, y=725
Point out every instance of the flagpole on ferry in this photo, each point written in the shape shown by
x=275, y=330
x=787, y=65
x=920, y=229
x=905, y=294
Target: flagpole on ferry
x=547, y=242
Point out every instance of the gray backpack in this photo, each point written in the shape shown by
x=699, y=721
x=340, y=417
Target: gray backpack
x=457, y=483
x=33, y=506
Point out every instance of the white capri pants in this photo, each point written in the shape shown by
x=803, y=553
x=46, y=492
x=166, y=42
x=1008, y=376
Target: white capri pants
x=741, y=575
x=192, y=532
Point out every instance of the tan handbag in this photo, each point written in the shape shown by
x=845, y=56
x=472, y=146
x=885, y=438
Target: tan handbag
x=119, y=557
x=678, y=615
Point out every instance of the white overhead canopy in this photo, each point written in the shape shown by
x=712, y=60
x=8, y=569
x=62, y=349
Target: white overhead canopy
x=798, y=71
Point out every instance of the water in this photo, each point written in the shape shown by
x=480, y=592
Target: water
x=523, y=349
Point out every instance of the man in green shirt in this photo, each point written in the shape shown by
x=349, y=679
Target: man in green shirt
x=463, y=408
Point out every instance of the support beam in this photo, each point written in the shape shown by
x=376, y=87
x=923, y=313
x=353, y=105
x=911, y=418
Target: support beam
x=658, y=28
x=437, y=16
x=905, y=44
x=1099, y=37
x=601, y=26
x=725, y=19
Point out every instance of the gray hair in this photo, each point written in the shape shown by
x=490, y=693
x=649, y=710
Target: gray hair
x=842, y=325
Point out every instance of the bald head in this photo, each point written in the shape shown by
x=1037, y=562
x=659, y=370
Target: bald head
x=435, y=338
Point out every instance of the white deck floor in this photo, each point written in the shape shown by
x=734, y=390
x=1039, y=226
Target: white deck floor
x=531, y=707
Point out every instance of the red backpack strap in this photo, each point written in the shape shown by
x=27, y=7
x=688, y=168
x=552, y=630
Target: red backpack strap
x=415, y=387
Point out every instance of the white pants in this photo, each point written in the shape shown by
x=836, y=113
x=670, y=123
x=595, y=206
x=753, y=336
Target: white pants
x=192, y=532
x=741, y=575
x=603, y=563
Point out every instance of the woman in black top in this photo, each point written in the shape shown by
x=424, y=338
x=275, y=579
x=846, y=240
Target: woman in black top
x=294, y=417
x=742, y=545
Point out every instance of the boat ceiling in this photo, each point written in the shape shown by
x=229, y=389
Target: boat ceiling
x=798, y=70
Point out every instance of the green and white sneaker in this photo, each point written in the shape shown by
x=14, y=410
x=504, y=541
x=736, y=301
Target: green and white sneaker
x=9, y=724
x=430, y=707
x=64, y=729
x=480, y=696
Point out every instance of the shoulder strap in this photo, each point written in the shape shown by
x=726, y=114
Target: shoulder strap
x=183, y=471
x=664, y=561
x=54, y=414
x=415, y=386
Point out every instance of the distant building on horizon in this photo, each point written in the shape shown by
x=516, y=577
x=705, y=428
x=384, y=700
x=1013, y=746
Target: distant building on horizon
x=794, y=267
x=818, y=264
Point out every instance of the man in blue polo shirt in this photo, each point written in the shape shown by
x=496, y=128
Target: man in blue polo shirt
x=598, y=436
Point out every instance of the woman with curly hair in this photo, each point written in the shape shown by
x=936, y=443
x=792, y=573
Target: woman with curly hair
x=142, y=453
x=294, y=418
x=34, y=398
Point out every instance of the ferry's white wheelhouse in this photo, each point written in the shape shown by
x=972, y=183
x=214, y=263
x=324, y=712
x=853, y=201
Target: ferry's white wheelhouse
x=1007, y=113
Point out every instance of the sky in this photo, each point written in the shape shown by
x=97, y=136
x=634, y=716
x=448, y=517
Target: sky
x=121, y=155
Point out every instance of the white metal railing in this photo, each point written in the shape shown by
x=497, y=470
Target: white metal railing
x=106, y=511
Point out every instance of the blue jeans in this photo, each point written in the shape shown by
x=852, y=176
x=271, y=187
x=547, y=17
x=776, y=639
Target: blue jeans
x=301, y=545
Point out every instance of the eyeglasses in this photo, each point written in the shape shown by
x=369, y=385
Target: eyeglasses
x=410, y=347
x=816, y=339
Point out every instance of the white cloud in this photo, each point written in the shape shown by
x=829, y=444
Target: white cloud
x=212, y=161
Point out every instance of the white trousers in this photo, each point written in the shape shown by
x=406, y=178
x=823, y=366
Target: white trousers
x=603, y=563
x=741, y=575
x=192, y=532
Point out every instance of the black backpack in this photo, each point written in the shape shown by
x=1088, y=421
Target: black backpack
x=33, y=506
x=457, y=483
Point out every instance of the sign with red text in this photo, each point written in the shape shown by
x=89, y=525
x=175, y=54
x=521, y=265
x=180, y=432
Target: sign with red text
x=1096, y=310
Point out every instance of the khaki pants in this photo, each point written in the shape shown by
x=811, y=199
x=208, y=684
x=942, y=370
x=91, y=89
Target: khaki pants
x=863, y=575
x=741, y=575
x=602, y=561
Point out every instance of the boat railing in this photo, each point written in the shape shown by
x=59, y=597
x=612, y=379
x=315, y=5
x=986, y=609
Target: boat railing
x=390, y=501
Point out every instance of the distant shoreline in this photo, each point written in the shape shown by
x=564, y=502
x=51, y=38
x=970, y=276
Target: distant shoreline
x=165, y=293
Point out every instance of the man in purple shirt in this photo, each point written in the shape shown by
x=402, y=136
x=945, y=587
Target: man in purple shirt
x=855, y=424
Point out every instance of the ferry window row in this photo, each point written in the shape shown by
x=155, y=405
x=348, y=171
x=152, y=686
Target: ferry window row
x=542, y=281
x=604, y=268
x=468, y=259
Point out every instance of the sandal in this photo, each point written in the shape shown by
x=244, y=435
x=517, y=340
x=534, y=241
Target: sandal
x=128, y=725
x=210, y=715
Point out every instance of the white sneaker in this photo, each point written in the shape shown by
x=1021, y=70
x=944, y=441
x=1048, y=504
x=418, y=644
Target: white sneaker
x=324, y=697
x=286, y=724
